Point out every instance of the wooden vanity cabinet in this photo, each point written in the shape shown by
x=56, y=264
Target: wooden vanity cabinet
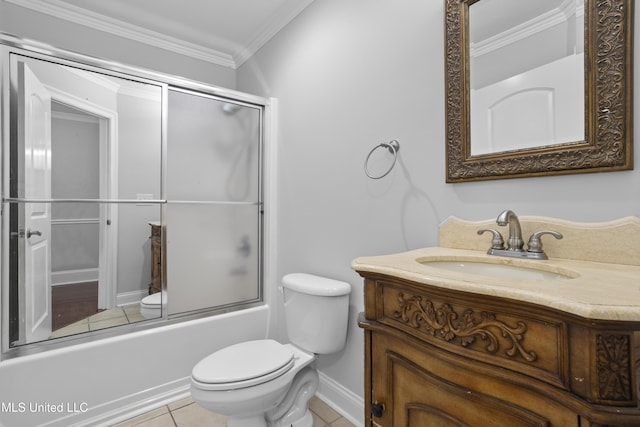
x=440, y=357
x=156, y=258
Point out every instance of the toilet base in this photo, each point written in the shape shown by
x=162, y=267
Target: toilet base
x=258, y=421
x=306, y=421
x=294, y=409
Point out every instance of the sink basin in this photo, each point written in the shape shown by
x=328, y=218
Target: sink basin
x=505, y=271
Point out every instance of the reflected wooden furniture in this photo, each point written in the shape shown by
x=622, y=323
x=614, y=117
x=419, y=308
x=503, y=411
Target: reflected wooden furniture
x=156, y=258
x=436, y=356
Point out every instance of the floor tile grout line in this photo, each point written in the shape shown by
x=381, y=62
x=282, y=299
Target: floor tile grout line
x=175, y=423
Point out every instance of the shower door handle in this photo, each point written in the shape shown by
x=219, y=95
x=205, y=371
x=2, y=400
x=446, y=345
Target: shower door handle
x=33, y=233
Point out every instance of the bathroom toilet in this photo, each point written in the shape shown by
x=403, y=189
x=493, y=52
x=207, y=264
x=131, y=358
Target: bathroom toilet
x=264, y=383
x=151, y=306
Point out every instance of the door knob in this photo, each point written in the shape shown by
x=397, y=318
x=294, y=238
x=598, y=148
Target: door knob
x=33, y=233
x=377, y=409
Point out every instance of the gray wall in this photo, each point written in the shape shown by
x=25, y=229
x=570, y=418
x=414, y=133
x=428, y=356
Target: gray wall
x=349, y=75
x=74, y=174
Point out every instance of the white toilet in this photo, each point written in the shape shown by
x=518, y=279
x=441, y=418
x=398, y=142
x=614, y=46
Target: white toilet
x=264, y=383
x=151, y=306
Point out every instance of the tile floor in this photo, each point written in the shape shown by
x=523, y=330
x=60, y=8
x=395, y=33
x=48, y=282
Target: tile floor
x=104, y=319
x=186, y=413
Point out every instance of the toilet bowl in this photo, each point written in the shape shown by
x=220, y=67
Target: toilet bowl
x=264, y=383
x=249, y=381
x=151, y=306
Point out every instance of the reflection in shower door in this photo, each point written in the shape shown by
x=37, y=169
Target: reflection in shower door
x=213, y=213
x=35, y=134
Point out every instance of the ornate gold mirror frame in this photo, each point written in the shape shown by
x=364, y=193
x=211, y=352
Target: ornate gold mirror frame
x=608, y=144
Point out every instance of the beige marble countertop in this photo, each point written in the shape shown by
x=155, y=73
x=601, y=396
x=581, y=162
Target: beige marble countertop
x=593, y=290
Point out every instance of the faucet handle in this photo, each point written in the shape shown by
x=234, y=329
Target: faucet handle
x=497, y=242
x=535, y=244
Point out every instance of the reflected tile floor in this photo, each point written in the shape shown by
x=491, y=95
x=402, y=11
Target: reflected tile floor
x=186, y=413
x=104, y=319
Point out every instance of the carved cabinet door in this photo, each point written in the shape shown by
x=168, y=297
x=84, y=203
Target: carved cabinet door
x=416, y=393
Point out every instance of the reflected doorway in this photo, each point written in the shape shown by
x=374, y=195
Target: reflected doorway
x=81, y=233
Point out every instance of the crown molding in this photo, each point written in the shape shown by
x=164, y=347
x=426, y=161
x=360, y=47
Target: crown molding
x=82, y=118
x=284, y=15
x=528, y=28
x=123, y=29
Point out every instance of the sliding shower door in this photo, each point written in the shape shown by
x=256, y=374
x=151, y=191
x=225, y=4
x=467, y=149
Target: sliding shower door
x=213, y=211
x=119, y=183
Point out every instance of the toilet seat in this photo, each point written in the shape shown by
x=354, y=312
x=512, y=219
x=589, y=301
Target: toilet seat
x=152, y=301
x=243, y=365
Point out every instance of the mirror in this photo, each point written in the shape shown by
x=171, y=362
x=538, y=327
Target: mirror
x=526, y=87
x=87, y=145
x=537, y=87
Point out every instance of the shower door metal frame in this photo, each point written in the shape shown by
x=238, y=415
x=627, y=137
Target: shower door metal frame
x=198, y=90
x=10, y=44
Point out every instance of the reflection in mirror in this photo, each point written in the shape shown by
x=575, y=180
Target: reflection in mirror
x=526, y=74
x=572, y=123
x=88, y=146
x=90, y=291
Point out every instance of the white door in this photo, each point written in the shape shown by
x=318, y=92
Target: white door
x=36, y=127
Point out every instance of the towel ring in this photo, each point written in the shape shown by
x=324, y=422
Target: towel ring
x=393, y=147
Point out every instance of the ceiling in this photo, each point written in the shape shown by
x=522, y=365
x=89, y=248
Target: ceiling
x=224, y=32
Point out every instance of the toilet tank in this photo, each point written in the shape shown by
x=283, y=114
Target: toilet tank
x=316, y=310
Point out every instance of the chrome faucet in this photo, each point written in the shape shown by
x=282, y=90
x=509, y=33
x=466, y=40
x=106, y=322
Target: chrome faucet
x=515, y=243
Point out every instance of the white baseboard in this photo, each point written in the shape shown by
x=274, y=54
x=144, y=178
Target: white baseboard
x=127, y=298
x=74, y=276
x=118, y=410
x=344, y=401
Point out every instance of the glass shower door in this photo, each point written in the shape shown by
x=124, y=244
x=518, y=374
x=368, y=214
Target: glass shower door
x=213, y=211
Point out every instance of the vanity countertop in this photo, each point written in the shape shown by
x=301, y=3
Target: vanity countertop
x=596, y=290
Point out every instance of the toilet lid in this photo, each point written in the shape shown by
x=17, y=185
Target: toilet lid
x=249, y=363
x=153, y=299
